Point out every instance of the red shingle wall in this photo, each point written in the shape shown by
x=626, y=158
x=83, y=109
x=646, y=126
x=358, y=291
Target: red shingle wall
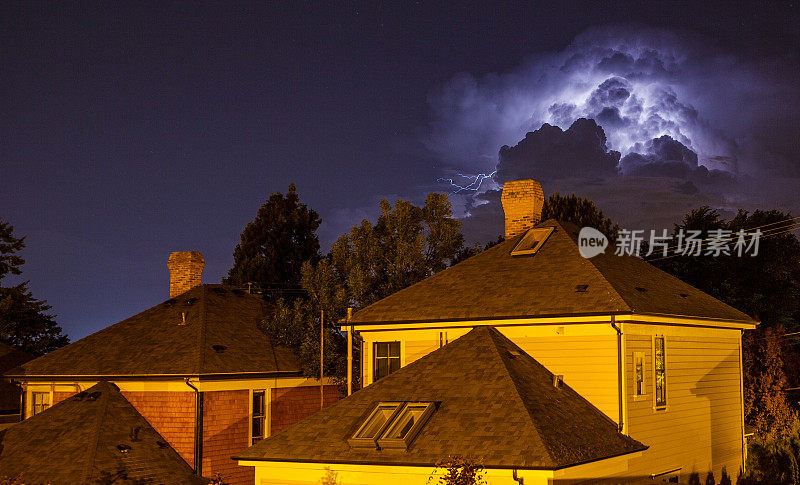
x=225, y=433
x=171, y=414
x=291, y=404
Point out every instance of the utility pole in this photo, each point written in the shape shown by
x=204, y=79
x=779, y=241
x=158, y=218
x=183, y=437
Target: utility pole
x=349, y=352
x=321, y=355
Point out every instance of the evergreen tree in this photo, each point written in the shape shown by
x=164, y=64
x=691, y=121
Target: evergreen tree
x=579, y=211
x=24, y=321
x=275, y=244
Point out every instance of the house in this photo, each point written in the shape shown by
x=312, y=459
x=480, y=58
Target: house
x=659, y=358
x=10, y=394
x=96, y=436
x=195, y=366
x=480, y=396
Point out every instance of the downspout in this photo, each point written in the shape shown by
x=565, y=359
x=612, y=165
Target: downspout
x=198, y=429
x=619, y=370
x=519, y=479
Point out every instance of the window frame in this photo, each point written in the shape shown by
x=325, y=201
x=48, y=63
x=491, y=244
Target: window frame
x=403, y=442
x=46, y=405
x=525, y=248
x=639, y=358
x=262, y=415
x=388, y=358
x=660, y=403
x=371, y=442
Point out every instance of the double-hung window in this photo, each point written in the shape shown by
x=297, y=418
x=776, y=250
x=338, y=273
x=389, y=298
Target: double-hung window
x=387, y=359
x=660, y=372
x=638, y=374
x=40, y=401
x=258, y=419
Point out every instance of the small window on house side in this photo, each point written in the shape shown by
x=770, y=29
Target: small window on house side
x=531, y=241
x=638, y=374
x=41, y=401
x=660, y=372
x=387, y=359
x=258, y=419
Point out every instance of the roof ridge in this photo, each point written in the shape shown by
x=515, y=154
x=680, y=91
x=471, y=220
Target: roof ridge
x=494, y=333
x=101, y=414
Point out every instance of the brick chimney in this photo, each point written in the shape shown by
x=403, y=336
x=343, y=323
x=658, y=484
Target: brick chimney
x=185, y=270
x=522, y=203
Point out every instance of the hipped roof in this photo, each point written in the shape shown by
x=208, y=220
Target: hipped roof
x=496, y=285
x=220, y=336
x=80, y=440
x=495, y=403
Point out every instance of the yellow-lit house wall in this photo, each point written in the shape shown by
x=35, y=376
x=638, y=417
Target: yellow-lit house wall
x=701, y=427
x=584, y=353
x=289, y=473
x=700, y=430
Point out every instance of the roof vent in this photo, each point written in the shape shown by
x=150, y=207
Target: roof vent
x=639, y=288
x=581, y=288
x=684, y=295
x=123, y=448
x=134, y=434
x=170, y=302
x=190, y=301
x=219, y=290
x=514, y=353
x=162, y=445
x=219, y=348
x=557, y=381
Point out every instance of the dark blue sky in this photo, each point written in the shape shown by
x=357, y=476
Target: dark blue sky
x=130, y=130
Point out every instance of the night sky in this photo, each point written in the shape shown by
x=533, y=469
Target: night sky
x=131, y=130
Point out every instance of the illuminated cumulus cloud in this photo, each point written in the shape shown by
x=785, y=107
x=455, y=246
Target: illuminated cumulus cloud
x=646, y=122
x=639, y=85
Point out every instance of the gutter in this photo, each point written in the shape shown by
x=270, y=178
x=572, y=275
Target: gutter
x=198, y=429
x=621, y=395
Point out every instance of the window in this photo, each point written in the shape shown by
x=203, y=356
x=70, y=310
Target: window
x=387, y=358
x=406, y=425
x=392, y=425
x=638, y=374
x=531, y=241
x=375, y=424
x=660, y=372
x=258, y=419
x=41, y=401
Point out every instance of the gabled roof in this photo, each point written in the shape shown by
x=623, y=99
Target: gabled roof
x=220, y=336
x=495, y=285
x=496, y=403
x=82, y=439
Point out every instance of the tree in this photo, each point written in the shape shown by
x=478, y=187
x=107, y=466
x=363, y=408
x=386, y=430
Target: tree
x=24, y=321
x=457, y=470
x=579, y=211
x=275, y=244
x=407, y=244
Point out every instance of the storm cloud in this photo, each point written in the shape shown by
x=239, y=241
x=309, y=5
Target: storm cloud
x=658, y=112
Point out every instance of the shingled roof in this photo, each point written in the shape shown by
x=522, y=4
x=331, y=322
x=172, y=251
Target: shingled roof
x=96, y=436
x=209, y=330
x=495, y=403
x=495, y=285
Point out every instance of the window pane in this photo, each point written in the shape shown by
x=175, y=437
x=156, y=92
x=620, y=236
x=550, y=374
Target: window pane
x=406, y=421
x=381, y=368
x=394, y=364
x=394, y=349
x=376, y=421
x=660, y=372
x=381, y=349
x=258, y=403
x=258, y=427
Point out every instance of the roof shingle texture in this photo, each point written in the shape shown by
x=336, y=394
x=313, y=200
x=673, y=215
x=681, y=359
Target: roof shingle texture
x=495, y=285
x=78, y=441
x=156, y=342
x=494, y=405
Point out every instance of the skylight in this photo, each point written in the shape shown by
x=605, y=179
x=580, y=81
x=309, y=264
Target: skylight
x=392, y=425
x=532, y=241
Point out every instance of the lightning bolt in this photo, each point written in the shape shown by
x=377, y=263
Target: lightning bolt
x=474, y=184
